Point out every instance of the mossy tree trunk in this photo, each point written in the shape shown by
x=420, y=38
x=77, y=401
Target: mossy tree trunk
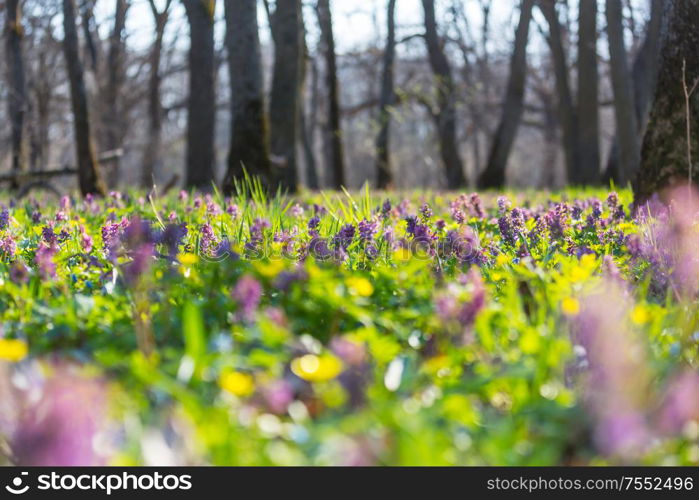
x=666, y=154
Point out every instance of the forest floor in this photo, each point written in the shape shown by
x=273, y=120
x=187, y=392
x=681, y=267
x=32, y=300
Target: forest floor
x=422, y=328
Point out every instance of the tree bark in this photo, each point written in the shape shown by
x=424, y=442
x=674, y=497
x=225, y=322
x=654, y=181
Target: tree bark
x=285, y=95
x=513, y=106
x=446, y=101
x=89, y=176
x=201, y=107
x=645, y=76
x=588, y=96
x=386, y=100
x=113, y=121
x=666, y=156
x=16, y=86
x=249, y=149
x=622, y=84
x=566, y=107
x=334, y=130
x=152, y=161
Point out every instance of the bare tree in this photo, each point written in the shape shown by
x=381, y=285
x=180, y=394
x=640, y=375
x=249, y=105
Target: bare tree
x=445, y=114
x=669, y=143
x=645, y=76
x=249, y=147
x=90, y=33
x=287, y=30
x=386, y=99
x=334, y=131
x=152, y=157
x=622, y=84
x=566, y=107
x=588, y=96
x=513, y=106
x=201, y=106
x=16, y=85
x=113, y=121
x=89, y=176
x=307, y=117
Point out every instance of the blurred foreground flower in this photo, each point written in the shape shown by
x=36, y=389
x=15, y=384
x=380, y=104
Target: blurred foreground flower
x=13, y=350
x=617, y=383
x=237, y=383
x=58, y=421
x=314, y=368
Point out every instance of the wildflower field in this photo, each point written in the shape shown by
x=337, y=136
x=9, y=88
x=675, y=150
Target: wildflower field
x=356, y=329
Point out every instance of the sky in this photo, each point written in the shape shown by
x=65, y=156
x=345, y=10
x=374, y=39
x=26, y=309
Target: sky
x=355, y=21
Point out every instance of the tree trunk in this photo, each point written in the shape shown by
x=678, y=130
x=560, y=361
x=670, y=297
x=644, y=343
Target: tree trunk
x=588, y=96
x=666, y=156
x=201, y=108
x=249, y=147
x=113, y=122
x=334, y=131
x=307, y=124
x=16, y=85
x=513, y=106
x=386, y=99
x=152, y=161
x=88, y=169
x=622, y=84
x=285, y=95
x=446, y=101
x=566, y=108
x=645, y=76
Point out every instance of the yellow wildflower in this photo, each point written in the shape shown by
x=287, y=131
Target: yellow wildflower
x=188, y=259
x=237, y=383
x=640, y=315
x=316, y=368
x=13, y=350
x=570, y=306
x=360, y=286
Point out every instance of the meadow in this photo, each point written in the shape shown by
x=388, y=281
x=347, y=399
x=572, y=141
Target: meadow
x=417, y=328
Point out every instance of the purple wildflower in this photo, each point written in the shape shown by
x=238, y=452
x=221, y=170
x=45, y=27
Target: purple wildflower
x=344, y=237
x=49, y=236
x=313, y=223
x=367, y=230
x=8, y=247
x=386, y=209
x=4, y=218
x=476, y=206
x=44, y=261
x=425, y=212
x=247, y=293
